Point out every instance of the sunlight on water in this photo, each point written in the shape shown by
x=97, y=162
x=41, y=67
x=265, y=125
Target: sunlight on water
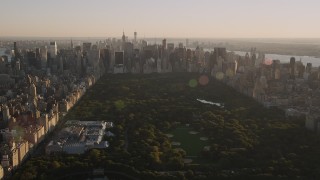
x=209, y=102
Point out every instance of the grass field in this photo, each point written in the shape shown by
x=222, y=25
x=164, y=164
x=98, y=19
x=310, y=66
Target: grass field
x=191, y=143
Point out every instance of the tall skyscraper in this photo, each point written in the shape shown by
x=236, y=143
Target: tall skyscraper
x=276, y=74
x=5, y=113
x=119, y=62
x=86, y=47
x=119, y=57
x=15, y=49
x=71, y=44
x=16, y=52
x=123, y=37
x=44, y=57
x=53, y=49
x=170, y=47
x=135, y=37
x=33, y=90
x=164, y=44
x=292, y=67
x=309, y=68
x=38, y=55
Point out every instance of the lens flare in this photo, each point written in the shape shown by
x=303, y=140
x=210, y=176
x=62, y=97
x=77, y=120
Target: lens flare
x=229, y=73
x=203, y=80
x=268, y=61
x=193, y=83
x=219, y=75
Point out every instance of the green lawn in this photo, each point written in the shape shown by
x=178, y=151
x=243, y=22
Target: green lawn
x=191, y=143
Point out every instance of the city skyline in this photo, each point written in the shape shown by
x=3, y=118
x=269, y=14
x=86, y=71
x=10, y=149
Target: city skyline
x=194, y=19
x=159, y=90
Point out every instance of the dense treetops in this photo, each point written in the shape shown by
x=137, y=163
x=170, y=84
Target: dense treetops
x=247, y=141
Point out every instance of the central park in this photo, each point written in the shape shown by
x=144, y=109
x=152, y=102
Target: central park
x=184, y=126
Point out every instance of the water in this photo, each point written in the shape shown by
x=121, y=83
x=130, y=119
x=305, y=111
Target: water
x=286, y=58
x=209, y=102
x=2, y=53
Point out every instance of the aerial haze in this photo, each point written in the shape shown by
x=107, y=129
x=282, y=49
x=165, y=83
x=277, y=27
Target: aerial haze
x=189, y=18
x=170, y=89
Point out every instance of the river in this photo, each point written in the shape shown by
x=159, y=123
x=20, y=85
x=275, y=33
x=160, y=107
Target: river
x=3, y=52
x=286, y=58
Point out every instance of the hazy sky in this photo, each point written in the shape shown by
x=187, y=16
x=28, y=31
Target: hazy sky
x=161, y=18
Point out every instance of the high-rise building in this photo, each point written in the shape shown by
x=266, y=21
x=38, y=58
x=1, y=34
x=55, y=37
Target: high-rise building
x=61, y=64
x=119, y=62
x=276, y=73
x=292, y=67
x=135, y=37
x=220, y=52
x=53, y=49
x=86, y=47
x=5, y=162
x=23, y=148
x=16, y=52
x=33, y=90
x=119, y=57
x=164, y=44
x=15, y=49
x=170, y=47
x=1, y=172
x=71, y=44
x=32, y=58
x=5, y=113
x=44, y=57
x=144, y=43
x=105, y=55
x=219, y=55
x=309, y=67
x=14, y=158
x=38, y=53
x=123, y=37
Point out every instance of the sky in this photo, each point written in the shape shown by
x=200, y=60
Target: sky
x=161, y=18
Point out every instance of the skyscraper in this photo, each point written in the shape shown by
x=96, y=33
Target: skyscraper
x=164, y=44
x=71, y=44
x=15, y=48
x=86, y=46
x=33, y=90
x=119, y=57
x=5, y=113
x=309, y=68
x=44, y=57
x=53, y=49
x=123, y=37
x=292, y=67
x=135, y=37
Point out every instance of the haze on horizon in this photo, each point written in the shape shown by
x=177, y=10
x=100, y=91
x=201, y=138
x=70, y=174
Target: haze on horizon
x=165, y=18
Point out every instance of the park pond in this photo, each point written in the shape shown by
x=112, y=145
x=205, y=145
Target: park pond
x=209, y=102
